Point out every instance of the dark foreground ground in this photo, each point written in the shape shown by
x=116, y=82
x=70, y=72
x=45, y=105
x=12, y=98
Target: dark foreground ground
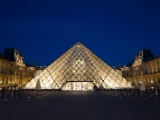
x=78, y=106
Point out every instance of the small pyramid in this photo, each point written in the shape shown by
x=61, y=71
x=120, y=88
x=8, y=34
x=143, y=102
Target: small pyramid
x=38, y=85
x=142, y=87
x=78, y=69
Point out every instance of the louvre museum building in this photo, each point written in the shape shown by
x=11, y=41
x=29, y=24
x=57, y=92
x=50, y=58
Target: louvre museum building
x=76, y=70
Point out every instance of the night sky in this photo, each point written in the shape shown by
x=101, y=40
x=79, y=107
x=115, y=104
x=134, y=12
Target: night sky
x=42, y=30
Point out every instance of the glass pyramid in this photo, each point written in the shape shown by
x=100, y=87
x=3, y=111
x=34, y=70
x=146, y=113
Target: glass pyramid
x=78, y=69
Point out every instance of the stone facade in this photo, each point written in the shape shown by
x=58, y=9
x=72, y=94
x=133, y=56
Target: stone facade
x=147, y=68
x=14, y=73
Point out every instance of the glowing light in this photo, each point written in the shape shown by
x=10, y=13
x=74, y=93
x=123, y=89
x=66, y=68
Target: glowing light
x=78, y=69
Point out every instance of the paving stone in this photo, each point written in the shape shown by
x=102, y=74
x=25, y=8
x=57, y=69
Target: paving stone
x=78, y=106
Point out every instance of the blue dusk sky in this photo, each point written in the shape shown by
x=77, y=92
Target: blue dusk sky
x=115, y=30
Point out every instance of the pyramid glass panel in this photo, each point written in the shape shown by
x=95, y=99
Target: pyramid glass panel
x=78, y=69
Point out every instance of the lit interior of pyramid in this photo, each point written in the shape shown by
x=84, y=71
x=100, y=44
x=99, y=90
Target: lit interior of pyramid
x=78, y=69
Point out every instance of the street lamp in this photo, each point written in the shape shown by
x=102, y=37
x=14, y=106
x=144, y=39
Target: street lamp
x=0, y=85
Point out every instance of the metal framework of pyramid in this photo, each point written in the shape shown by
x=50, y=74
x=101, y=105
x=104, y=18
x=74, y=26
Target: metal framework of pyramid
x=78, y=69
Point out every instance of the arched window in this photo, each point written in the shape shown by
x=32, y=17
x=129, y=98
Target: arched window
x=11, y=72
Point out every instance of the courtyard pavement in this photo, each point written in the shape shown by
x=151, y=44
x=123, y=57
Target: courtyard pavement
x=58, y=105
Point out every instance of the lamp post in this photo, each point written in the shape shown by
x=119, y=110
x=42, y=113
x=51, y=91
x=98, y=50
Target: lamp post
x=0, y=88
x=142, y=87
x=10, y=85
x=156, y=88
